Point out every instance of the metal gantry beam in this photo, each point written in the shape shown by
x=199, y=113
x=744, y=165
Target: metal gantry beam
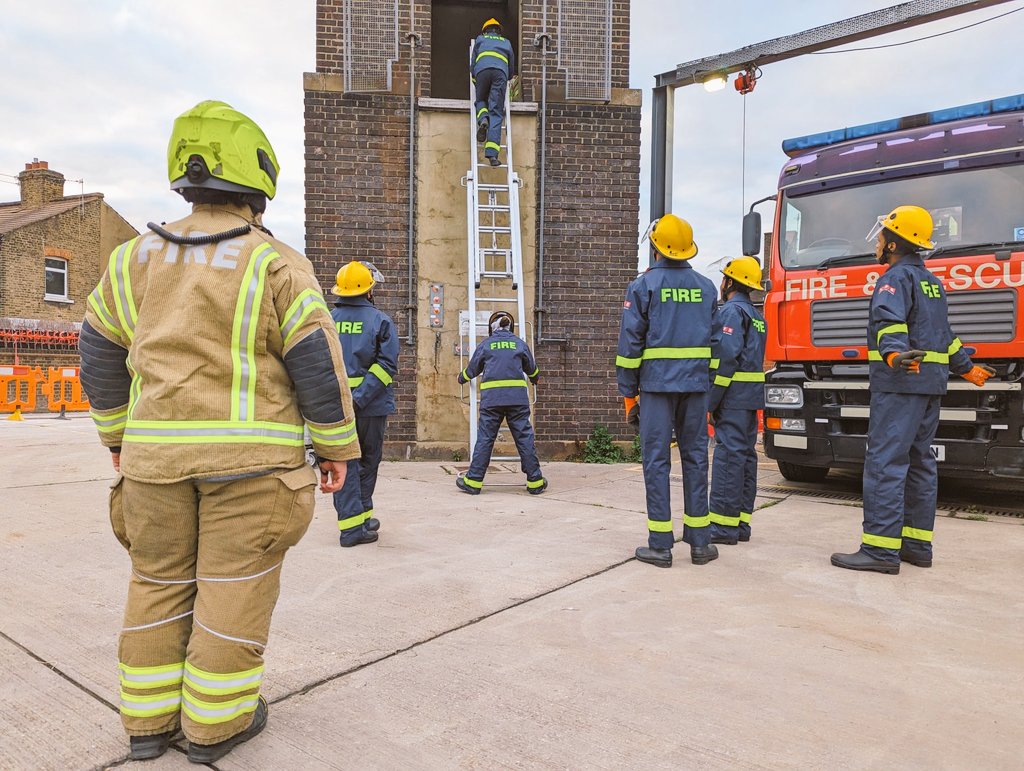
x=892, y=19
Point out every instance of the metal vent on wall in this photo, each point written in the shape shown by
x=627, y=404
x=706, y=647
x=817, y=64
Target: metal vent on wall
x=987, y=316
x=370, y=40
x=585, y=48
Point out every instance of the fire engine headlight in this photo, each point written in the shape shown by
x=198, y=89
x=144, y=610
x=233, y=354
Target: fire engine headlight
x=783, y=396
x=794, y=424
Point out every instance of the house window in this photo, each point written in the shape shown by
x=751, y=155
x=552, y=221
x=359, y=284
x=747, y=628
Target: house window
x=56, y=279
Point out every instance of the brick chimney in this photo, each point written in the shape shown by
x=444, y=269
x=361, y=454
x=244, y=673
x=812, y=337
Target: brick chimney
x=39, y=184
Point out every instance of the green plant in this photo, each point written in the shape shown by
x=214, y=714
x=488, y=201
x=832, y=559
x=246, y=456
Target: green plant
x=600, y=448
x=457, y=455
x=635, y=454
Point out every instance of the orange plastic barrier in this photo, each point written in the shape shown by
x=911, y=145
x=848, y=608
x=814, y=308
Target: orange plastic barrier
x=20, y=387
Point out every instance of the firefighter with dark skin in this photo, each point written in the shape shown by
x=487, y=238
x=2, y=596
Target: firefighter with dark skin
x=504, y=363
x=911, y=350
x=663, y=359
x=205, y=348
x=737, y=393
x=492, y=63
x=369, y=342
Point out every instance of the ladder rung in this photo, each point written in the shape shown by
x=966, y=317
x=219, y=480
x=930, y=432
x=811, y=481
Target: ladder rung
x=496, y=300
x=492, y=187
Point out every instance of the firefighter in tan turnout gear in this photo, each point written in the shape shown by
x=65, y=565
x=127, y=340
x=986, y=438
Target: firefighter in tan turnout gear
x=206, y=346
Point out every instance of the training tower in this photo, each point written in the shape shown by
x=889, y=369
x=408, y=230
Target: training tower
x=388, y=164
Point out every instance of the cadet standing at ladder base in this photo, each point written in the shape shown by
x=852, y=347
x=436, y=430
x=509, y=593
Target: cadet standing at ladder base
x=493, y=63
x=663, y=359
x=911, y=350
x=204, y=348
x=737, y=393
x=370, y=345
x=503, y=362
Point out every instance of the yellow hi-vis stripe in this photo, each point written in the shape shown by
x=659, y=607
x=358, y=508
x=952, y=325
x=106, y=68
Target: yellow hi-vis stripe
x=99, y=306
x=659, y=526
x=892, y=329
x=380, y=373
x=491, y=146
x=473, y=483
x=495, y=54
x=882, y=541
x=342, y=434
x=349, y=522
x=676, y=353
x=917, y=535
x=696, y=521
x=243, y=332
x=213, y=712
x=121, y=284
x=110, y=423
x=502, y=384
x=355, y=382
x=724, y=521
x=481, y=111
x=307, y=302
x=145, y=678
x=217, y=684
x=933, y=357
x=745, y=517
x=150, y=706
x=955, y=346
x=627, y=363
x=213, y=432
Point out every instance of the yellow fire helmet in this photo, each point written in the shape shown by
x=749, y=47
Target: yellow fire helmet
x=215, y=146
x=353, y=279
x=744, y=270
x=673, y=237
x=911, y=223
x=491, y=23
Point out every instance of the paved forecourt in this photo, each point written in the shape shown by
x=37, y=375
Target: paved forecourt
x=508, y=630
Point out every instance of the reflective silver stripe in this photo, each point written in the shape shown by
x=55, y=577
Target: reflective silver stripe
x=203, y=432
x=122, y=288
x=100, y=306
x=344, y=431
x=251, y=305
x=297, y=313
x=225, y=686
x=203, y=626
x=150, y=580
x=171, y=676
x=113, y=420
x=156, y=623
x=243, y=578
x=144, y=705
x=224, y=713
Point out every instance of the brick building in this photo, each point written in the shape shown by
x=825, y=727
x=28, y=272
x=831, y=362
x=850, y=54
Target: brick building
x=53, y=249
x=387, y=141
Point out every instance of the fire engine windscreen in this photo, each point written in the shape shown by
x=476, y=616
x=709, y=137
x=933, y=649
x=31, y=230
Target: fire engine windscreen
x=977, y=206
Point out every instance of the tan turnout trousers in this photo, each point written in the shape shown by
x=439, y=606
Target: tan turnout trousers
x=206, y=568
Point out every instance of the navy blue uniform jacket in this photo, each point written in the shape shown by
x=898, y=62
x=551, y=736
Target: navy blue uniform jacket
x=493, y=52
x=909, y=312
x=737, y=356
x=369, y=343
x=503, y=362
x=665, y=336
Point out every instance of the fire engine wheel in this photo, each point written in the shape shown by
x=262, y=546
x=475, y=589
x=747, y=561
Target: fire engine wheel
x=794, y=472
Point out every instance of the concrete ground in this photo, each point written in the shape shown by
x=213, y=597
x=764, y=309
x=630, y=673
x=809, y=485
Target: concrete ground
x=511, y=631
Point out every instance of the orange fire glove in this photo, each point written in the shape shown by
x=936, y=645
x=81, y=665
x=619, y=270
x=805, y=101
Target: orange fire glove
x=978, y=375
x=909, y=361
x=632, y=406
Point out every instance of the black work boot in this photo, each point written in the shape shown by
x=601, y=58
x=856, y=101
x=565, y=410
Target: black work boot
x=661, y=558
x=211, y=753
x=152, y=746
x=702, y=555
x=539, y=488
x=481, y=131
x=861, y=561
x=361, y=536
x=494, y=162
x=461, y=484
x=915, y=559
x=372, y=524
x=724, y=537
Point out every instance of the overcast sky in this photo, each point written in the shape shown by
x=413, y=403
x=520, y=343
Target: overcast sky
x=94, y=87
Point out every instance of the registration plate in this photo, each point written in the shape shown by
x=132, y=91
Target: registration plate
x=939, y=452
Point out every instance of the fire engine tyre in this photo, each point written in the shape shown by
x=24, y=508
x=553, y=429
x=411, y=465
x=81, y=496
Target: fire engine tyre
x=794, y=472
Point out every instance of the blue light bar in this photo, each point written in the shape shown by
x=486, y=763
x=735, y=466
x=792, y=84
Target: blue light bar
x=798, y=145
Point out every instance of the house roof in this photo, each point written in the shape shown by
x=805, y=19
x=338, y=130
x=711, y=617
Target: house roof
x=16, y=215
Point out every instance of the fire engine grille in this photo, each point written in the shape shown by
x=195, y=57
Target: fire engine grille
x=987, y=316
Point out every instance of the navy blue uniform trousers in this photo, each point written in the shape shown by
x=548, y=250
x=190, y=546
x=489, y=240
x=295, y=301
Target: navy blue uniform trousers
x=518, y=419
x=900, y=475
x=661, y=414
x=733, y=472
x=354, y=501
x=490, y=93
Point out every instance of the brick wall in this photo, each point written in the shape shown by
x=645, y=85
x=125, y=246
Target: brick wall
x=357, y=203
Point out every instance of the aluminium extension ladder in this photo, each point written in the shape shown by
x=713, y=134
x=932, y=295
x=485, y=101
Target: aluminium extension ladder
x=495, y=258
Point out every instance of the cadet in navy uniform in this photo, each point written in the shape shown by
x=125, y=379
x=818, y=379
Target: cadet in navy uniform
x=911, y=350
x=369, y=343
x=493, y=63
x=737, y=393
x=664, y=354
x=503, y=362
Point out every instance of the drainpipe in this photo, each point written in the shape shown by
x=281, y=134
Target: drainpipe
x=412, y=40
x=543, y=41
